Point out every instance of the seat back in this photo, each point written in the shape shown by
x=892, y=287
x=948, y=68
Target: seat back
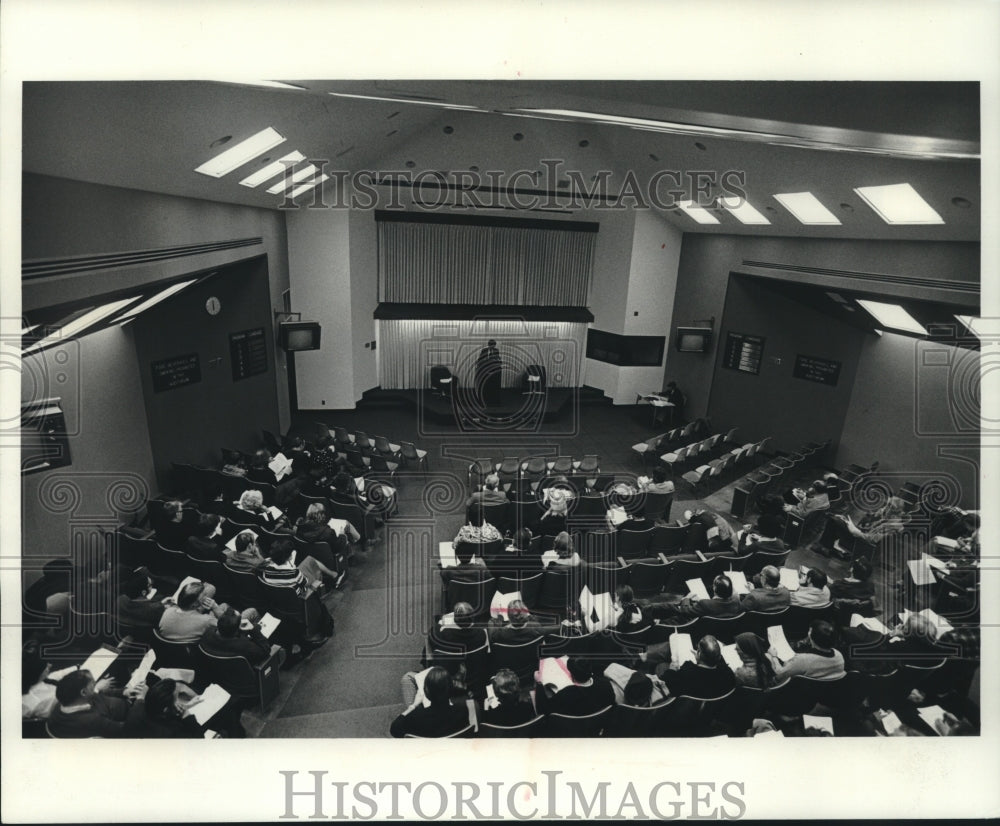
x=658, y=506
x=635, y=544
x=478, y=593
x=761, y=559
x=568, y=725
x=603, y=577
x=562, y=464
x=685, y=569
x=246, y=587
x=522, y=659
x=647, y=577
x=531, y=587
x=557, y=588
x=212, y=573
x=668, y=539
x=724, y=629
x=530, y=729
x=284, y=603
x=556, y=645
x=168, y=562
x=497, y=515
x=799, y=618
x=636, y=721
x=233, y=673
x=170, y=654
x=599, y=547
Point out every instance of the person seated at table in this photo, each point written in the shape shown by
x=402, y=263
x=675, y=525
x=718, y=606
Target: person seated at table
x=194, y=612
x=769, y=595
x=160, y=714
x=477, y=529
x=135, y=606
x=707, y=677
x=259, y=473
x=758, y=666
x=519, y=628
x=764, y=536
x=235, y=637
x=589, y=692
x=553, y=519
x=510, y=708
x=800, y=502
x=314, y=528
x=470, y=568
x=204, y=544
x=489, y=494
x=812, y=591
x=562, y=552
x=870, y=528
x=658, y=484
x=38, y=692
x=438, y=719
x=815, y=657
x=86, y=708
x=175, y=526
x=248, y=555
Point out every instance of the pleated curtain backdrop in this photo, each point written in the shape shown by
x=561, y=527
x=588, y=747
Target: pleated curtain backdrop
x=469, y=264
x=408, y=348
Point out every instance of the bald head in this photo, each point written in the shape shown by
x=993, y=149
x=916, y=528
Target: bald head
x=770, y=576
x=709, y=650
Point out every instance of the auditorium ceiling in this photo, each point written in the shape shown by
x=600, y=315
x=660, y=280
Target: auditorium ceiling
x=654, y=143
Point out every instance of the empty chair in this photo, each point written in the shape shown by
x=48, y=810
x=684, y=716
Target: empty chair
x=442, y=380
x=386, y=449
x=724, y=629
x=342, y=437
x=534, y=468
x=647, y=577
x=561, y=464
x=587, y=725
x=521, y=659
x=599, y=546
x=671, y=460
x=478, y=471
x=410, y=453
x=799, y=618
x=591, y=463
x=382, y=468
x=648, y=448
x=245, y=587
x=358, y=464
x=245, y=682
x=557, y=591
x=591, y=506
x=685, y=569
x=478, y=593
x=508, y=468
x=668, y=539
x=635, y=544
x=696, y=476
x=603, y=577
x=530, y=587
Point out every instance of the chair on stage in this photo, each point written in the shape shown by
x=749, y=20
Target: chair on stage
x=442, y=381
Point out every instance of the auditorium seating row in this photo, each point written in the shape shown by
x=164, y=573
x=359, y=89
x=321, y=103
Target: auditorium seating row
x=531, y=472
x=773, y=475
x=673, y=439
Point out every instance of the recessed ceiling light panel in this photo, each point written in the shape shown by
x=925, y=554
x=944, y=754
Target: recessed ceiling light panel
x=743, y=210
x=699, y=214
x=893, y=316
x=300, y=175
x=899, y=204
x=307, y=186
x=272, y=169
x=807, y=208
x=238, y=155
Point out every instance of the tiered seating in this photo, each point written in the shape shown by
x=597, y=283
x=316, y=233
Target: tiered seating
x=771, y=475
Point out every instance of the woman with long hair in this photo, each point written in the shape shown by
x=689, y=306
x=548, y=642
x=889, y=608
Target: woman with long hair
x=757, y=670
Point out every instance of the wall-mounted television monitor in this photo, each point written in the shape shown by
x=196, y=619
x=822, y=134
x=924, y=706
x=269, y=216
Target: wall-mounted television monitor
x=295, y=336
x=693, y=339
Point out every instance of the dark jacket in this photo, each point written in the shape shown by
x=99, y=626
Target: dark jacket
x=577, y=700
x=694, y=680
x=439, y=720
x=252, y=645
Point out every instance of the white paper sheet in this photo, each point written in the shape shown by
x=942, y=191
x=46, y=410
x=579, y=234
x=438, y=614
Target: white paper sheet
x=790, y=579
x=446, y=553
x=779, y=643
x=697, y=587
x=268, y=624
x=213, y=698
x=681, y=649
x=739, y=580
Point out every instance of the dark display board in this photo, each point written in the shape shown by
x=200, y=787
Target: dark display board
x=248, y=352
x=811, y=368
x=175, y=372
x=625, y=351
x=743, y=353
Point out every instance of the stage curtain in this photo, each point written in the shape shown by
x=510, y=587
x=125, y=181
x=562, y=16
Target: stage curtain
x=408, y=349
x=460, y=264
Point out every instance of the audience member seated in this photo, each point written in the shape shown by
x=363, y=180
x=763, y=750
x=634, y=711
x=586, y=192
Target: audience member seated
x=194, y=613
x=38, y=693
x=520, y=627
x=259, y=473
x=912, y=642
x=470, y=568
x=871, y=528
x=234, y=636
x=857, y=585
x=709, y=676
x=556, y=502
x=314, y=527
x=815, y=656
x=324, y=460
x=704, y=522
x=508, y=708
x=175, y=526
x=203, y=544
x=140, y=604
x=955, y=523
x=812, y=591
x=439, y=717
x=562, y=552
x=248, y=555
x=636, y=521
x=377, y=500
x=160, y=713
x=86, y=708
x=490, y=494
x=769, y=594
x=771, y=504
x=250, y=509
x=628, y=616
x=588, y=694
x=722, y=603
x=281, y=570
x=477, y=529
x=758, y=666
x=516, y=558
x=658, y=484
x=800, y=502
x=762, y=537
x=461, y=635
x=50, y=594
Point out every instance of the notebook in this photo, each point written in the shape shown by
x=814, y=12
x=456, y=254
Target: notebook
x=790, y=579
x=761, y=734
x=939, y=622
x=213, y=698
x=779, y=644
x=617, y=515
x=681, y=649
x=338, y=526
x=274, y=512
x=446, y=555
x=920, y=571
x=739, y=581
x=268, y=624
x=419, y=678
x=945, y=542
x=281, y=465
x=697, y=587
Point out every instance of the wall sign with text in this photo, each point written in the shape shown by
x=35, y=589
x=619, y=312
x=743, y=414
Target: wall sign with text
x=811, y=368
x=743, y=353
x=248, y=352
x=175, y=372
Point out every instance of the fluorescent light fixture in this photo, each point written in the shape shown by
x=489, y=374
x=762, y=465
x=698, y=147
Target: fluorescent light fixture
x=743, y=210
x=806, y=207
x=307, y=186
x=81, y=323
x=29, y=328
x=272, y=169
x=301, y=175
x=893, y=316
x=270, y=84
x=700, y=214
x=899, y=204
x=439, y=104
x=241, y=153
x=156, y=299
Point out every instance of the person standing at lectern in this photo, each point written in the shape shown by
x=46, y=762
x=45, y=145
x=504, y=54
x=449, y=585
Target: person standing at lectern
x=488, y=367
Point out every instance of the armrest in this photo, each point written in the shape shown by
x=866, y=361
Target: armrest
x=621, y=562
x=269, y=663
x=663, y=558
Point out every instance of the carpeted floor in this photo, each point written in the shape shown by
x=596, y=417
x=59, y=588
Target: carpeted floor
x=351, y=686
